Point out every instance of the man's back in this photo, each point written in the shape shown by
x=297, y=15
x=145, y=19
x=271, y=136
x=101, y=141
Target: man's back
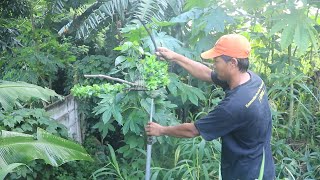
x=243, y=121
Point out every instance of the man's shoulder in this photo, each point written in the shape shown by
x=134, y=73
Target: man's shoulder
x=255, y=76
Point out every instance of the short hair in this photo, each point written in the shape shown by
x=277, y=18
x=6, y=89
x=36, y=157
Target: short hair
x=243, y=63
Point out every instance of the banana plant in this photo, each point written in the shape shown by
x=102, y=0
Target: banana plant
x=100, y=11
x=11, y=92
x=17, y=149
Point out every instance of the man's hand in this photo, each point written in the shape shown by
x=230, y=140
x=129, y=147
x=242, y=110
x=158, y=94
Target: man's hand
x=195, y=68
x=153, y=129
x=166, y=54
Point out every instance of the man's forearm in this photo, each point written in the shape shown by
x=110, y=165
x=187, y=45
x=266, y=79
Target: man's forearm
x=186, y=130
x=195, y=68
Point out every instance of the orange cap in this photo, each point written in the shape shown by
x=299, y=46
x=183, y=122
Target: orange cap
x=233, y=45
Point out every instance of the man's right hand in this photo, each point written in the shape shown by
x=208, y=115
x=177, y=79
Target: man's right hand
x=195, y=68
x=166, y=54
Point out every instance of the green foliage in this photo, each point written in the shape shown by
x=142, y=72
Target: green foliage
x=28, y=120
x=40, y=58
x=114, y=171
x=186, y=92
x=22, y=148
x=302, y=34
x=99, y=13
x=96, y=90
x=192, y=14
x=8, y=39
x=195, y=3
x=107, y=38
x=94, y=64
x=12, y=91
x=15, y=8
x=124, y=10
x=163, y=39
x=8, y=169
x=192, y=159
x=213, y=20
x=58, y=6
x=155, y=73
x=18, y=69
x=76, y=170
x=207, y=20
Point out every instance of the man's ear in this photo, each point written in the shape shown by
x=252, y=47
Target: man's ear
x=234, y=61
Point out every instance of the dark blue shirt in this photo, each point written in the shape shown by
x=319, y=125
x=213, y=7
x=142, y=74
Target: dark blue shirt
x=244, y=123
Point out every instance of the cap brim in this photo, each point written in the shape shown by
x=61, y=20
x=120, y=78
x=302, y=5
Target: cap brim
x=212, y=53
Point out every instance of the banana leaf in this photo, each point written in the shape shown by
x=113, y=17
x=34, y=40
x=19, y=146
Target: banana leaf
x=21, y=148
x=10, y=92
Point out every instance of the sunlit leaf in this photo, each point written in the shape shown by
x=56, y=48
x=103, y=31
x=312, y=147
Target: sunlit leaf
x=22, y=148
x=11, y=92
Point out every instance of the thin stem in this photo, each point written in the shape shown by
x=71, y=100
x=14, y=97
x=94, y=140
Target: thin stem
x=152, y=39
x=291, y=88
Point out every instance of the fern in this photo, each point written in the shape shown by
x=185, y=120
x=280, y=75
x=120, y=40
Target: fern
x=18, y=148
x=10, y=92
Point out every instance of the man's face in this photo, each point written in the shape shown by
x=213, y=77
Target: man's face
x=222, y=68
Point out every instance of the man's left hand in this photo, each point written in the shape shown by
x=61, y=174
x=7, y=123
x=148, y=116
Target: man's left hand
x=153, y=129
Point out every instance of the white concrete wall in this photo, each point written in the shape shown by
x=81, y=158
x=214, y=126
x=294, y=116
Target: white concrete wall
x=66, y=112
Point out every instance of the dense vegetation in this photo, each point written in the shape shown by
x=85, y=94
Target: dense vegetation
x=54, y=43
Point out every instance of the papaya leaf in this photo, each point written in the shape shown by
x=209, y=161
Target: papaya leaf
x=194, y=13
x=215, y=19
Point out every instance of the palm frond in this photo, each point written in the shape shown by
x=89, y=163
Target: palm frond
x=21, y=148
x=148, y=9
x=96, y=17
x=57, y=6
x=10, y=92
x=176, y=6
x=106, y=10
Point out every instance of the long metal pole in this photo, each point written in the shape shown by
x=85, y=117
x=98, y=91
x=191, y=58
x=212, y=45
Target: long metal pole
x=149, y=146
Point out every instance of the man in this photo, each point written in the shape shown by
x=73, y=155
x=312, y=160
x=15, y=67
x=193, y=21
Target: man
x=242, y=119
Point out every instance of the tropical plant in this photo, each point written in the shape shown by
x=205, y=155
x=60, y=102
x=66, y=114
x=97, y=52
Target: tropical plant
x=18, y=148
x=107, y=37
x=11, y=92
x=121, y=12
x=9, y=10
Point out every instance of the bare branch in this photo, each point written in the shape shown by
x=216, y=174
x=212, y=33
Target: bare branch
x=111, y=78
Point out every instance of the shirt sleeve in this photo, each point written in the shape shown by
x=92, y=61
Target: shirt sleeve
x=215, y=80
x=216, y=124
